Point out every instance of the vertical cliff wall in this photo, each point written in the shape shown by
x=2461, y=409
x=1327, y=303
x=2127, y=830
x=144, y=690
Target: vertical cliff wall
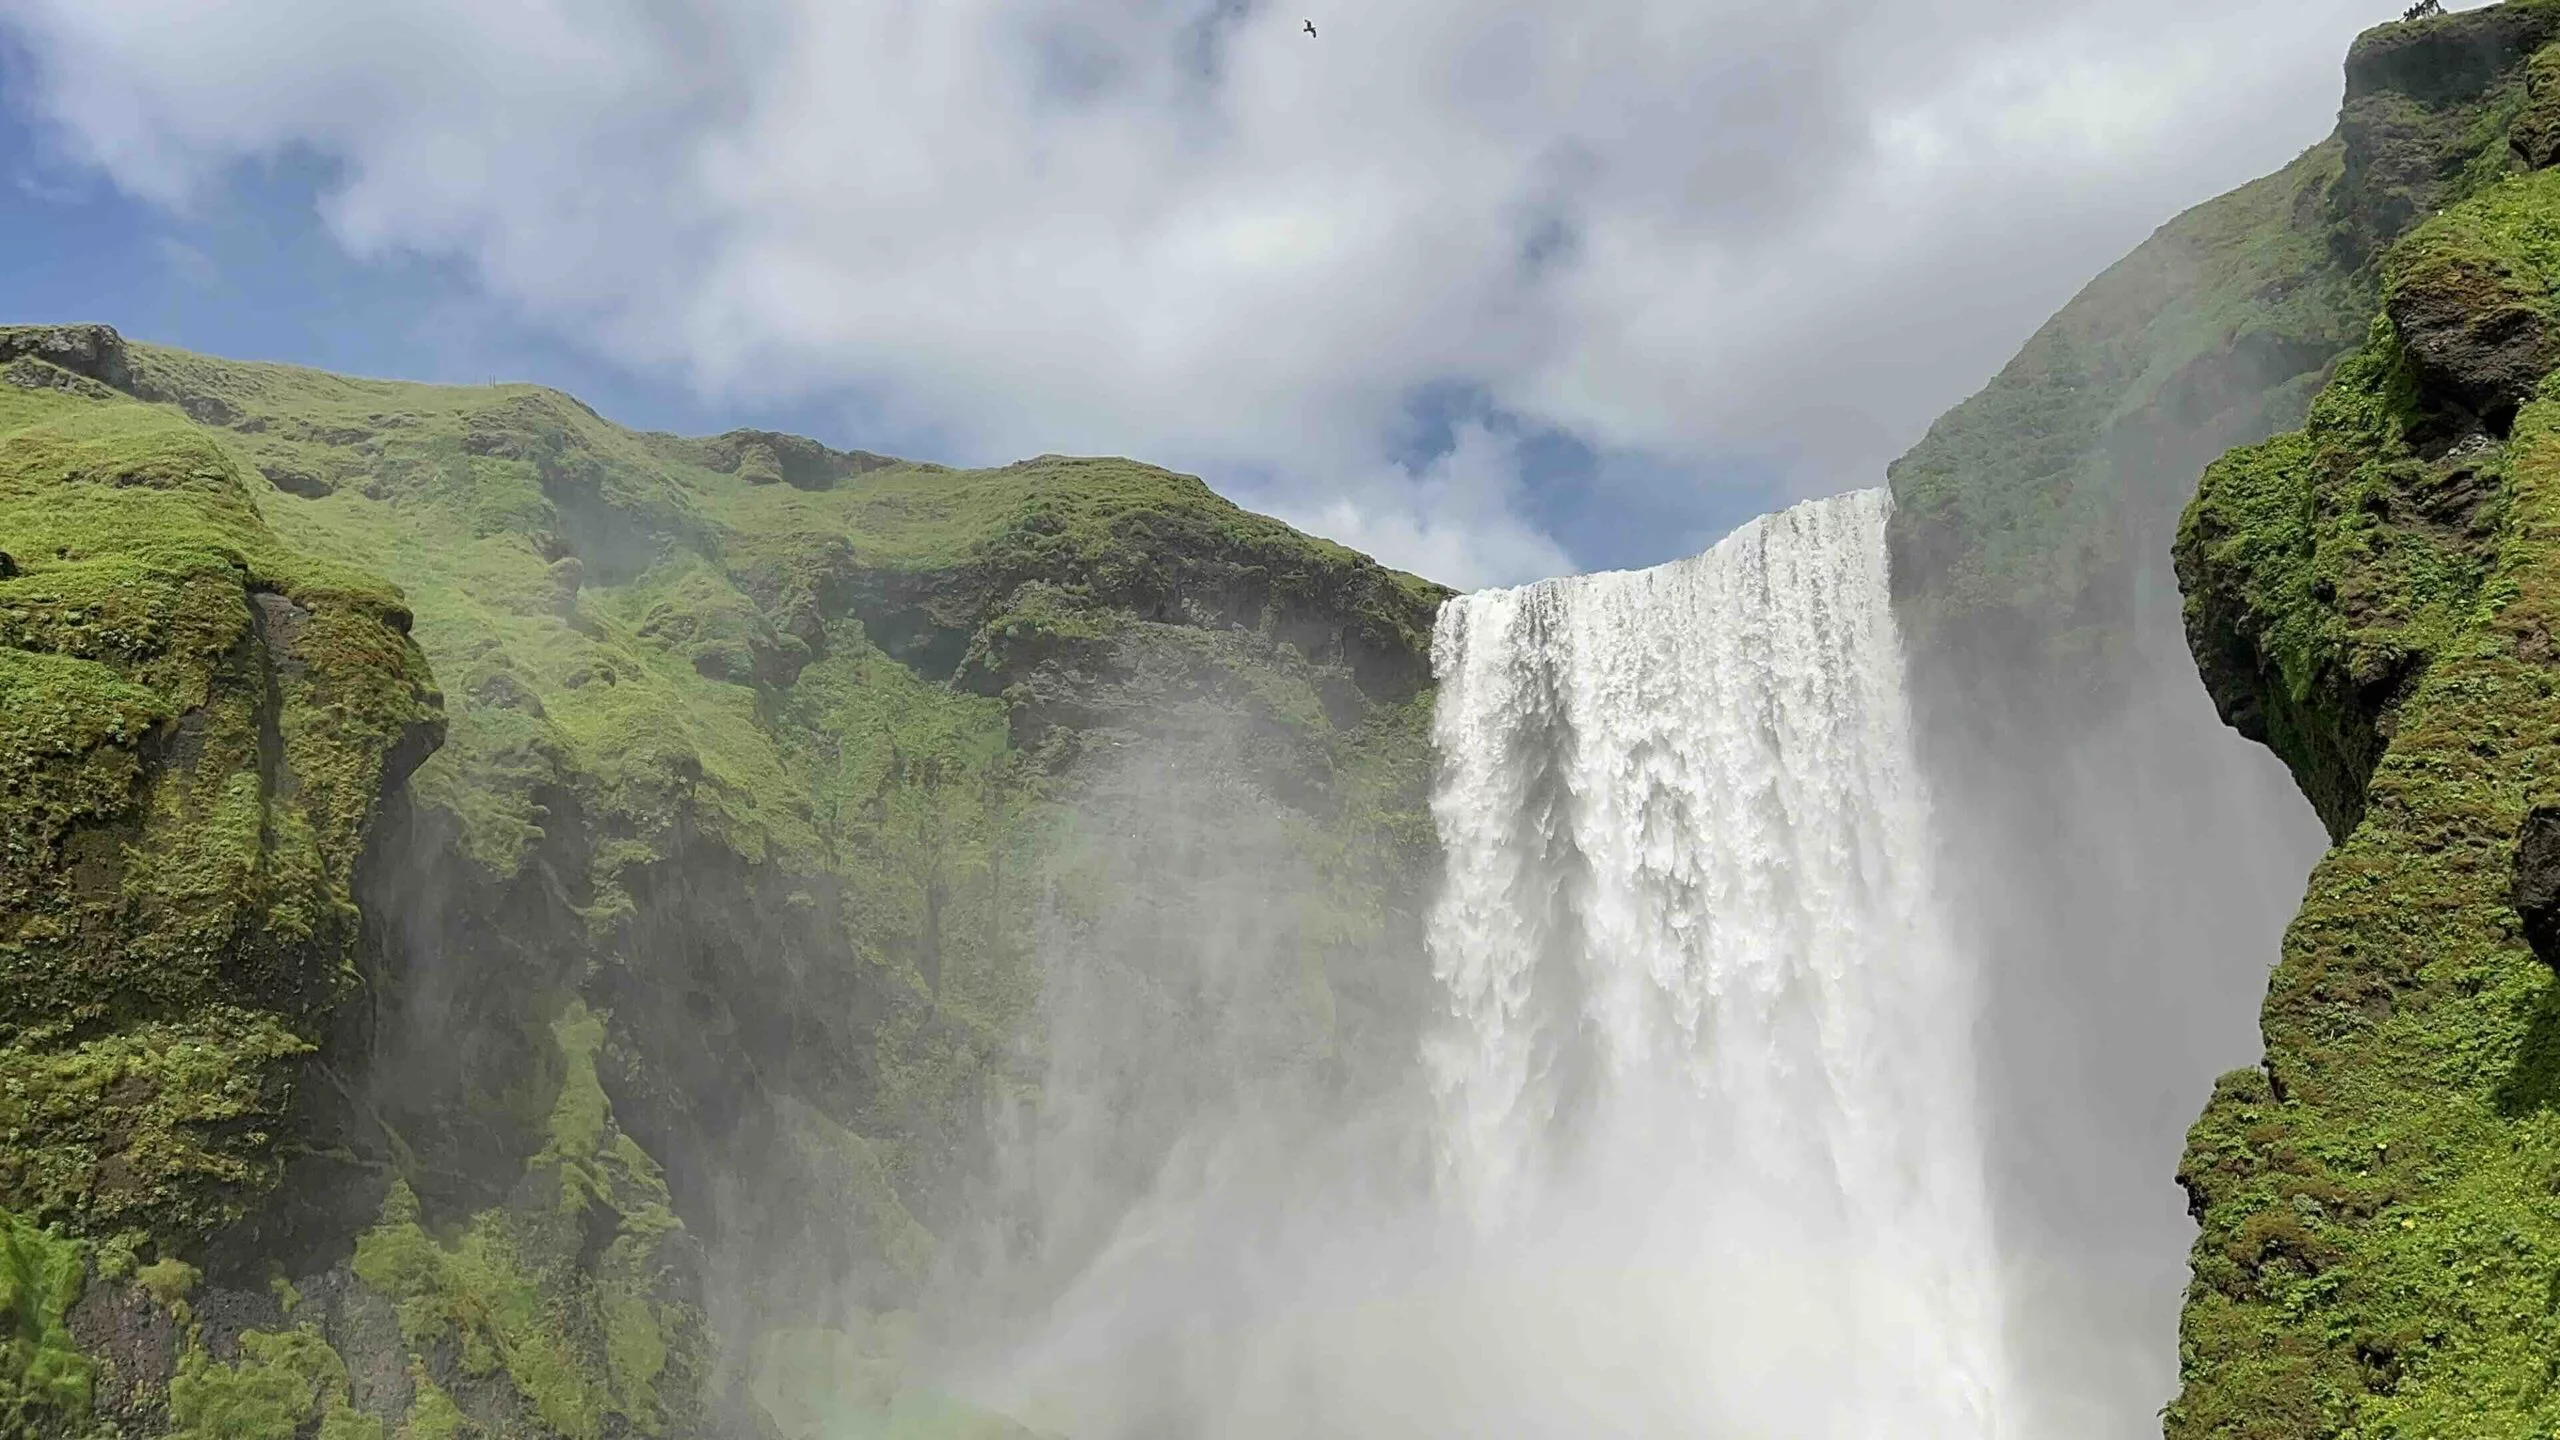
x=2373, y=598
x=2132, y=867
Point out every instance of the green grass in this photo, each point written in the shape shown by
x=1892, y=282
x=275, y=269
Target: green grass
x=286, y=1386
x=647, y=666
x=45, y=1381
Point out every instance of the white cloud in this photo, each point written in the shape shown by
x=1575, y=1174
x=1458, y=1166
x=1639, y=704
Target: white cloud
x=1455, y=519
x=1184, y=230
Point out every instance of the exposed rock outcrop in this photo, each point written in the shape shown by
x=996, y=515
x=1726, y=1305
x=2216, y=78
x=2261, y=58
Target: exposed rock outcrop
x=2536, y=881
x=2478, y=334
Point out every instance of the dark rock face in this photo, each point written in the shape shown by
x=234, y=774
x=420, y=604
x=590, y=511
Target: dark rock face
x=2479, y=335
x=2414, y=94
x=93, y=351
x=295, y=480
x=2537, y=881
x=29, y=373
x=2449, y=59
x=2456, y=495
x=505, y=691
x=763, y=457
x=140, y=1340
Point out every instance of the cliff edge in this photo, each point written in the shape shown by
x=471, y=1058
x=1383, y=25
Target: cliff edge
x=2373, y=597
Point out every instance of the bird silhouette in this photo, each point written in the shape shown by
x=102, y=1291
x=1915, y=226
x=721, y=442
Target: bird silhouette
x=1311, y=29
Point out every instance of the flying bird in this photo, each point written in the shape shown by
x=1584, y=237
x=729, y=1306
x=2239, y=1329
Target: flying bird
x=1311, y=29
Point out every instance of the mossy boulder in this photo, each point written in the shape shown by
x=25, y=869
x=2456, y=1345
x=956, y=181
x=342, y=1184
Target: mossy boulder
x=2533, y=137
x=197, y=726
x=2477, y=329
x=2313, y=613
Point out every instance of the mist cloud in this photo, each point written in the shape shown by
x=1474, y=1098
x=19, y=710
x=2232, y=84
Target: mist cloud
x=1675, y=231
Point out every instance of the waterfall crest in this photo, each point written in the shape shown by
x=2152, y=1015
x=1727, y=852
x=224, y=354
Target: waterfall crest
x=1705, y=1022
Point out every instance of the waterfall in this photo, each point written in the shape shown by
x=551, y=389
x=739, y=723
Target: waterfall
x=1691, y=1150
x=1708, y=1040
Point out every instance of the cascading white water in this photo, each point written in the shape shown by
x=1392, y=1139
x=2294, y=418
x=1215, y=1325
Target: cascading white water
x=1708, y=1030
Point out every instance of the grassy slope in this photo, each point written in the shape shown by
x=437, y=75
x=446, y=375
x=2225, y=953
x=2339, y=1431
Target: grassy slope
x=548, y=546
x=2374, y=597
x=2010, y=513
x=616, y=616
x=739, y=723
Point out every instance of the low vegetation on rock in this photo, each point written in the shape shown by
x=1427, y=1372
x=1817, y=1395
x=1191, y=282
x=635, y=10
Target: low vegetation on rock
x=2375, y=597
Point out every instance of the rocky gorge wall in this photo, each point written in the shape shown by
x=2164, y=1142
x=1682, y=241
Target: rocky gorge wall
x=2361, y=584
x=2372, y=597
x=562, y=994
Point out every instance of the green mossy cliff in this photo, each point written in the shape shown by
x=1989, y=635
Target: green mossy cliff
x=508, y=924
x=2367, y=587
x=196, y=725
x=2126, y=866
x=2375, y=597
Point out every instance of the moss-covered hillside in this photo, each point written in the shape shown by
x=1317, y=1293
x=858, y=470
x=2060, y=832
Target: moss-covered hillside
x=511, y=924
x=2376, y=598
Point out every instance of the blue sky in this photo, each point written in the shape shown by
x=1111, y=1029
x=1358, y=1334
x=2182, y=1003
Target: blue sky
x=1492, y=293
x=249, y=270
